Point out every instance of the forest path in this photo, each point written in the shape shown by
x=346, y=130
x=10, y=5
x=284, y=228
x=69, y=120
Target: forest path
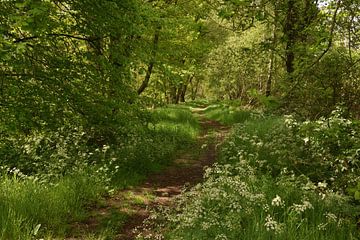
x=130, y=207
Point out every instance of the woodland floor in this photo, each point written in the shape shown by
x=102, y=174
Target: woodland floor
x=130, y=207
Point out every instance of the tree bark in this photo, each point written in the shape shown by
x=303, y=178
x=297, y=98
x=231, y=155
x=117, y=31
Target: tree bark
x=270, y=76
x=149, y=70
x=184, y=87
x=290, y=33
x=146, y=81
x=173, y=95
x=194, y=88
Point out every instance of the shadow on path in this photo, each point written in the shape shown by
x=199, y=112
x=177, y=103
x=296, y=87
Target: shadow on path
x=160, y=188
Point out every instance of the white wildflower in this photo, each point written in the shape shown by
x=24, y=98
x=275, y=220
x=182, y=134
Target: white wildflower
x=272, y=225
x=309, y=186
x=322, y=184
x=277, y=201
x=322, y=226
x=331, y=217
x=284, y=171
x=299, y=208
x=221, y=237
x=105, y=148
x=266, y=208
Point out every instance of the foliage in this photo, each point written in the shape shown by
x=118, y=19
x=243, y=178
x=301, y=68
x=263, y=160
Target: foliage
x=324, y=150
x=231, y=113
x=332, y=143
x=276, y=178
x=236, y=203
x=172, y=129
x=235, y=68
x=334, y=81
x=180, y=37
x=71, y=119
x=60, y=174
x=300, y=55
x=31, y=207
x=59, y=69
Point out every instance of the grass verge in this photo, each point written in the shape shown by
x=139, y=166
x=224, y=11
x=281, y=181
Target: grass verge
x=276, y=179
x=229, y=114
x=30, y=208
x=37, y=207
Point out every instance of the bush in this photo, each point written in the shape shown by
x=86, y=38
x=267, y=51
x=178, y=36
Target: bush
x=236, y=203
x=277, y=178
x=52, y=175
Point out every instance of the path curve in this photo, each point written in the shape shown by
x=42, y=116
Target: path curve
x=187, y=171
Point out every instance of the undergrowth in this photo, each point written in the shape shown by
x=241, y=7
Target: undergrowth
x=49, y=178
x=276, y=178
x=30, y=207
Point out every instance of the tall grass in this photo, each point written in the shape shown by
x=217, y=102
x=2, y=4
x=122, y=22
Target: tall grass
x=29, y=207
x=173, y=128
x=266, y=185
x=178, y=122
x=43, y=205
x=229, y=114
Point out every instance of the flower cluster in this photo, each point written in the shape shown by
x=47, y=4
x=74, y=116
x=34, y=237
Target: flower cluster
x=255, y=190
x=272, y=225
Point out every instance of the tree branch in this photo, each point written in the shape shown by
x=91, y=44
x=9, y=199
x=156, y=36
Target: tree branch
x=54, y=35
x=145, y=83
x=332, y=29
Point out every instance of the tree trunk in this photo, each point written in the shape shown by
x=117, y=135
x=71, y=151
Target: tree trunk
x=183, y=93
x=270, y=76
x=173, y=95
x=184, y=87
x=194, y=88
x=290, y=36
x=149, y=70
x=145, y=83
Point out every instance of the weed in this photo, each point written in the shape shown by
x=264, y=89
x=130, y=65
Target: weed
x=266, y=186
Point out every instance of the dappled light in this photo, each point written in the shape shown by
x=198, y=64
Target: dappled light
x=179, y=120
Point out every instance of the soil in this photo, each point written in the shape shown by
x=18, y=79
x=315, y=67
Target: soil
x=159, y=189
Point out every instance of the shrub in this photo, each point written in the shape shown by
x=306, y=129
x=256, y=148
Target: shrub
x=236, y=203
x=277, y=178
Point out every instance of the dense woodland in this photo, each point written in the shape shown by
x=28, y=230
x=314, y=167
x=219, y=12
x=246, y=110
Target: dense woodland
x=96, y=95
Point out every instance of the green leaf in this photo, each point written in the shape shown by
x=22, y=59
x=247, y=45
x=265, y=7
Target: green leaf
x=36, y=229
x=357, y=195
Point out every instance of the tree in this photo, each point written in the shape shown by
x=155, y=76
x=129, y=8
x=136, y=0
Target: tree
x=67, y=62
x=299, y=35
x=179, y=44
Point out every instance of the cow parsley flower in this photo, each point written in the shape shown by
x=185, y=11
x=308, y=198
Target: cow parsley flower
x=277, y=201
x=272, y=225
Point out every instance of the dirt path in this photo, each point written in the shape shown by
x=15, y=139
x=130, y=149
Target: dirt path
x=161, y=188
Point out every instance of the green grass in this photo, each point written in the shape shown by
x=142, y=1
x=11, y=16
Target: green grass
x=71, y=170
x=29, y=207
x=266, y=185
x=240, y=207
x=229, y=114
x=111, y=224
x=178, y=122
x=172, y=130
x=199, y=103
